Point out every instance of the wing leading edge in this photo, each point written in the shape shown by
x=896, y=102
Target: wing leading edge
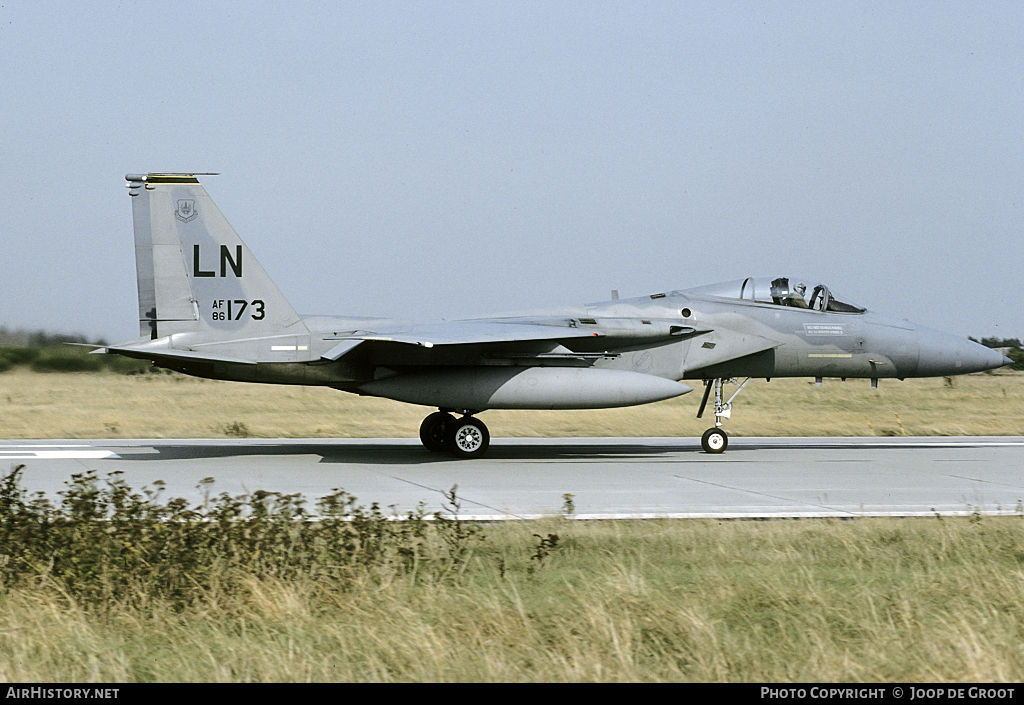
x=617, y=331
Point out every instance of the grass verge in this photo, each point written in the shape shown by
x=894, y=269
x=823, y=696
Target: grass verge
x=110, y=585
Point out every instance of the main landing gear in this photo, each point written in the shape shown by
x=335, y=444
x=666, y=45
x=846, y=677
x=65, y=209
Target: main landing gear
x=465, y=437
x=716, y=440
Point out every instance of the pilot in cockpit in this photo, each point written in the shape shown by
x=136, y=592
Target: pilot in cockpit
x=796, y=297
x=784, y=296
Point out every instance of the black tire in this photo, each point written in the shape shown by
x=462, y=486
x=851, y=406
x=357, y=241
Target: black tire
x=467, y=438
x=714, y=440
x=434, y=431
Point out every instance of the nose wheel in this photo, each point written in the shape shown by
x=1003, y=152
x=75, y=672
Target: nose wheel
x=716, y=440
x=466, y=437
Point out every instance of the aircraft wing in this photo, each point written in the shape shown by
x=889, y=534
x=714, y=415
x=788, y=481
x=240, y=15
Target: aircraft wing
x=497, y=331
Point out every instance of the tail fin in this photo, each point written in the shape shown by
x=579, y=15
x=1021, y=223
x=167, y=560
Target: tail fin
x=195, y=274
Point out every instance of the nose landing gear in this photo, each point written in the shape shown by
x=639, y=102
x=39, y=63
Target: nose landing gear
x=465, y=437
x=716, y=440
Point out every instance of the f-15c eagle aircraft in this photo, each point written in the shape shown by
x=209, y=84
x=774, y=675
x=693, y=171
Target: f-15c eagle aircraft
x=207, y=308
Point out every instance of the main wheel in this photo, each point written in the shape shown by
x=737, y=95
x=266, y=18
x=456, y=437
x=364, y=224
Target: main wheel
x=433, y=431
x=714, y=440
x=468, y=438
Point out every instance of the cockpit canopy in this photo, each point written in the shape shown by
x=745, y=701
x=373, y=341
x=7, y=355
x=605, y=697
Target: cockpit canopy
x=780, y=291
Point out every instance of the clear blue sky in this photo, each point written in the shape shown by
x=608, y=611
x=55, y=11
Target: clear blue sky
x=444, y=159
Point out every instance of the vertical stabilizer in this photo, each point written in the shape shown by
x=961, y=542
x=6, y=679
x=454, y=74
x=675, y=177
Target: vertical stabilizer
x=194, y=273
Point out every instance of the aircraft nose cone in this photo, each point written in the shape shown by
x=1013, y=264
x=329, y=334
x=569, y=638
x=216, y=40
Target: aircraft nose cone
x=942, y=354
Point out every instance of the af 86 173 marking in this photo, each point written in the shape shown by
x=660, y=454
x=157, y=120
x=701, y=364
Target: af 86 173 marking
x=222, y=309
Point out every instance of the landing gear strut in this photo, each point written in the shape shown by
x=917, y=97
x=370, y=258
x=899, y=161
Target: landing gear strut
x=465, y=437
x=716, y=440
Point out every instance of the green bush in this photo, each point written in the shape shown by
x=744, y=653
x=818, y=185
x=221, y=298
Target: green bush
x=1017, y=355
x=104, y=541
x=67, y=359
x=11, y=355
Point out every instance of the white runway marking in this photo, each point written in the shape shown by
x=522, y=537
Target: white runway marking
x=34, y=452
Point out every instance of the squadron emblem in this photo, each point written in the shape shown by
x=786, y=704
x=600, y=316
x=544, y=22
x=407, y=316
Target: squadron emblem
x=186, y=210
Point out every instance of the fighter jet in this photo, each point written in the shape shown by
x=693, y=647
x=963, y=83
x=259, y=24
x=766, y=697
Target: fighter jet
x=207, y=308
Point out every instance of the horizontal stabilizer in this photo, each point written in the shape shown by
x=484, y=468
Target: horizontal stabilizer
x=156, y=355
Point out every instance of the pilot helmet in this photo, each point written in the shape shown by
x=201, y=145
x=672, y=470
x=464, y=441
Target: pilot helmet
x=800, y=288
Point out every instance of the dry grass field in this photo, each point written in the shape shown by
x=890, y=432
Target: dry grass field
x=107, y=405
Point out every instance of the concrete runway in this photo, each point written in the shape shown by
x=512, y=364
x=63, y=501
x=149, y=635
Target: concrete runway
x=608, y=477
